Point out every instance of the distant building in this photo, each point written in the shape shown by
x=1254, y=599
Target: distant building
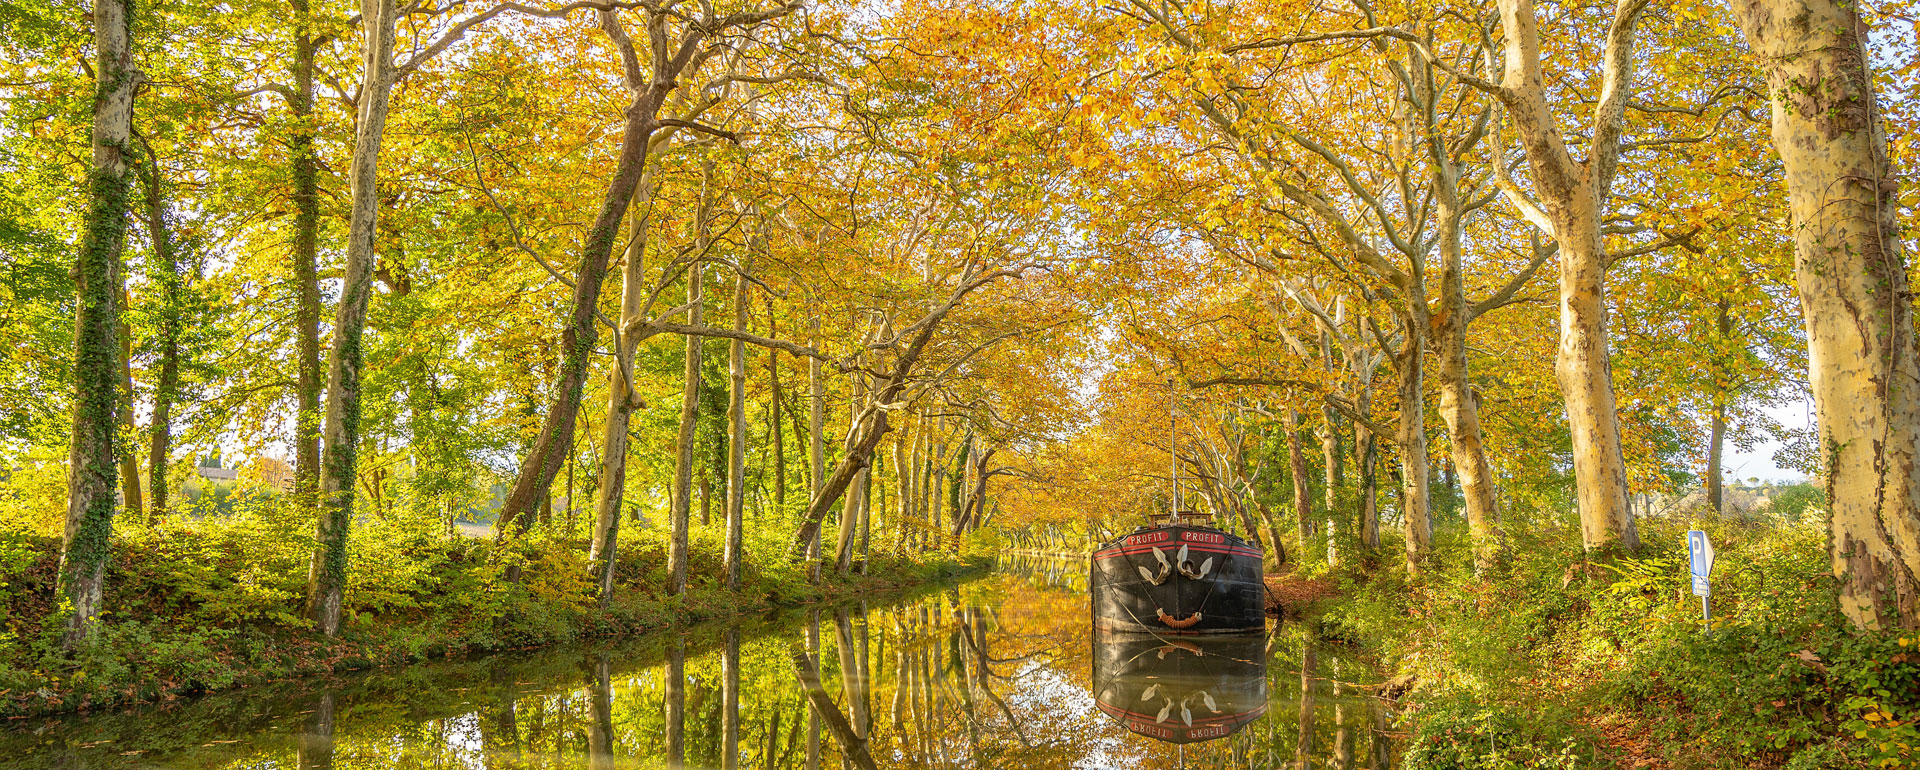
x=216, y=473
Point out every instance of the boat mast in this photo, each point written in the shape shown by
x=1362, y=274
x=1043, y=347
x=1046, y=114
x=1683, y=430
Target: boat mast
x=1173, y=447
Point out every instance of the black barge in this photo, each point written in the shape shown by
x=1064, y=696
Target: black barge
x=1175, y=578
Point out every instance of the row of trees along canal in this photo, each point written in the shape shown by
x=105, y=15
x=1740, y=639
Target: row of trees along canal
x=901, y=226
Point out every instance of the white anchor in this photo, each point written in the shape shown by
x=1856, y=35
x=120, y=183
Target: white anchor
x=1166, y=569
x=1186, y=567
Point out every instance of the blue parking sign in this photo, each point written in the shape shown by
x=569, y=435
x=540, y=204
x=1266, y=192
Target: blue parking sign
x=1700, y=559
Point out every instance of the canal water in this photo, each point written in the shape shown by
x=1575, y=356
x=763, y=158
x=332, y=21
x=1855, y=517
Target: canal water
x=1003, y=671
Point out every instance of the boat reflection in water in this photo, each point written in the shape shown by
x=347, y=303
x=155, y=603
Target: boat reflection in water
x=1184, y=689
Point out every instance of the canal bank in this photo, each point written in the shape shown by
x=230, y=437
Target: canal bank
x=159, y=650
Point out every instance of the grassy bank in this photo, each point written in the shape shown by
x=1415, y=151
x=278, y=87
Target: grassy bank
x=199, y=606
x=1556, y=662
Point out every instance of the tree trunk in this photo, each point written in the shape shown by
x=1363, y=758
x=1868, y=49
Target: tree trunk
x=737, y=437
x=91, y=468
x=870, y=425
x=1852, y=275
x=971, y=512
x=1716, y=486
x=676, y=705
x=682, y=508
x=1369, y=493
x=313, y=749
x=1585, y=372
x=856, y=499
x=327, y=573
x=903, y=488
x=1302, y=482
x=1273, y=533
x=536, y=473
x=600, y=714
x=1458, y=408
x=1332, y=454
x=773, y=413
x=853, y=515
x=1330, y=458
x=1415, y=507
x=130, y=498
x=816, y=447
x=604, y=549
x=1573, y=201
x=939, y=482
x=730, y=696
x=923, y=472
x=305, y=257
x=167, y=273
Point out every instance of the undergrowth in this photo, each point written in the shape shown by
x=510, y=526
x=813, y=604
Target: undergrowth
x=203, y=604
x=1558, y=662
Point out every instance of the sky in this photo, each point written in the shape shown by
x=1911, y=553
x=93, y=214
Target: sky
x=1759, y=463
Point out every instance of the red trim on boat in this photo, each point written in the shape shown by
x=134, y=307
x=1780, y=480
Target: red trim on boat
x=1231, y=550
x=1243, y=716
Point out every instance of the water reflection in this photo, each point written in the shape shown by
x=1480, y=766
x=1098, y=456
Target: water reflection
x=1002, y=672
x=1180, y=689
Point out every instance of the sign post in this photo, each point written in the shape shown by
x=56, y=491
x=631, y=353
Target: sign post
x=1700, y=562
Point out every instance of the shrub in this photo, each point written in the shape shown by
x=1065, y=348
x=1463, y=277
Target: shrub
x=1456, y=731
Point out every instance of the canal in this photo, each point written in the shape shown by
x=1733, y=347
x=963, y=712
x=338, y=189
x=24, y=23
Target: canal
x=1003, y=671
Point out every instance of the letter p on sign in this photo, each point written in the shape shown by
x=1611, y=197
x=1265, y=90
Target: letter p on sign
x=1700, y=559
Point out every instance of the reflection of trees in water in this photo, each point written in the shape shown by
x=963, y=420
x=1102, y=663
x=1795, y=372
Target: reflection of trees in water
x=993, y=674
x=316, y=741
x=1048, y=571
x=600, y=710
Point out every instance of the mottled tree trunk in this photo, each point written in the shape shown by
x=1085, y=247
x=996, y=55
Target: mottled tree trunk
x=903, y=488
x=1585, y=372
x=867, y=506
x=856, y=502
x=604, y=549
x=1415, y=505
x=1302, y=483
x=1572, y=202
x=939, y=482
x=327, y=573
x=1332, y=476
x=816, y=447
x=773, y=413
x=1852, y=275
x=91, y=467
x=681, y=514
x=1458, y=408
x=737, y=438
x=1369, y=493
